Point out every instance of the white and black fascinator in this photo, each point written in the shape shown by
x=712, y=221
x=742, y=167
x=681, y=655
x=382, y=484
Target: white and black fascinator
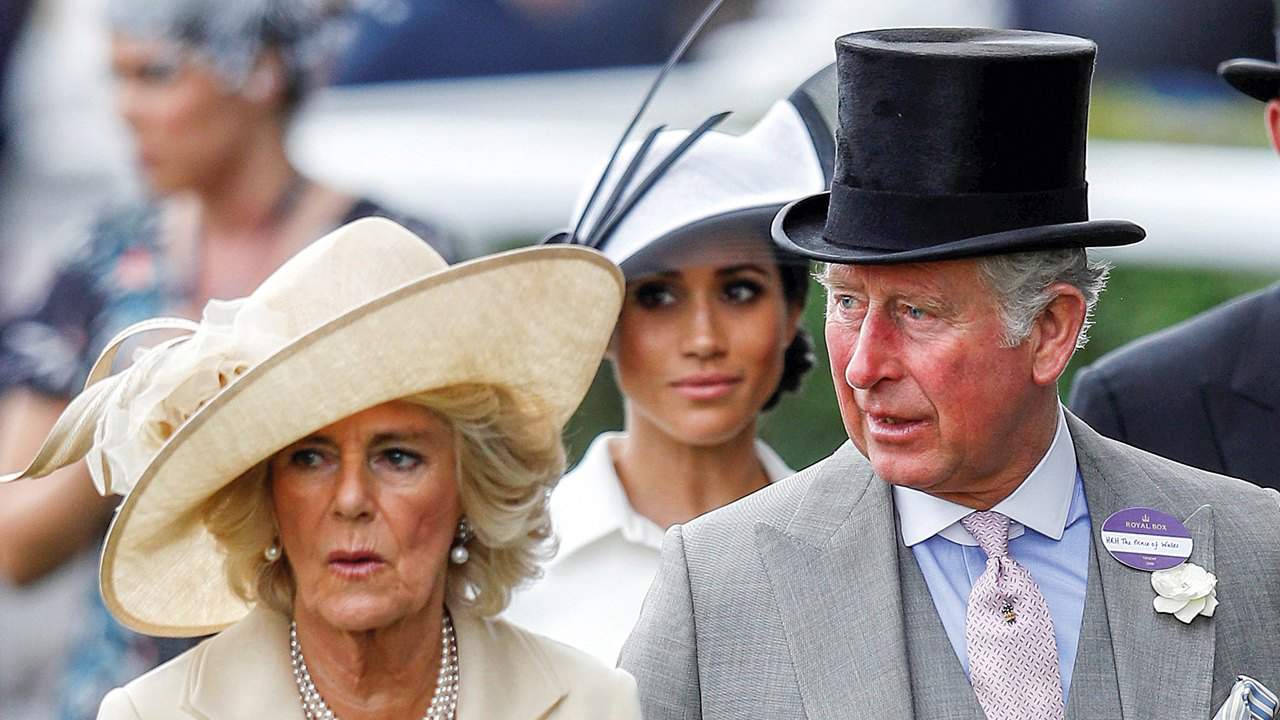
x=674, y=186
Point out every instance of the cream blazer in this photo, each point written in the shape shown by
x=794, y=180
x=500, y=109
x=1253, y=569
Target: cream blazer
x=244, y=672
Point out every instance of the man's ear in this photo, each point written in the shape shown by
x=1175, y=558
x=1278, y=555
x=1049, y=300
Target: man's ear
x=1273, y=123
x=1056, y=331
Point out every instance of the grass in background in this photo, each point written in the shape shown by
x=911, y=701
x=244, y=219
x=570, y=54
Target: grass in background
x=1138, y=111
x=806, y=426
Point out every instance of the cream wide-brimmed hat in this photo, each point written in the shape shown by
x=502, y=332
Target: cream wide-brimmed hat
x=367, y=314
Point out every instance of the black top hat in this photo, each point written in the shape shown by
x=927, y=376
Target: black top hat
x=1258, y=79
x=955, y=142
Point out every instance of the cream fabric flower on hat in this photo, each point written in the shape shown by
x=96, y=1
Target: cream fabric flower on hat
x=1185, y=591
x=167, y=384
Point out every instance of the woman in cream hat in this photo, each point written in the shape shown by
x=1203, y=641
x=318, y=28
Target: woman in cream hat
x=343, y=475
x=707, y=340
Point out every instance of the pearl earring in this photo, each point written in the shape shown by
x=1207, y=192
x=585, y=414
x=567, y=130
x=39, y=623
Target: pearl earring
x=459, y=554
x=272, y=553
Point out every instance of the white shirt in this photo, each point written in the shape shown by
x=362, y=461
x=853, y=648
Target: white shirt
x=591, y=593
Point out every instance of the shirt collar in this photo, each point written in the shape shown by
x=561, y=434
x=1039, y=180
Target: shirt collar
x=1041, y=502
x=590, y=503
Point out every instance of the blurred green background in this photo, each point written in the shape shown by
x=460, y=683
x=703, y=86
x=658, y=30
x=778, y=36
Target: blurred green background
x=1140, y=299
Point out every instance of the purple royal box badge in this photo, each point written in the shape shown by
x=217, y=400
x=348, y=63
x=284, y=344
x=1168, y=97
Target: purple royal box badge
x=1146, y=539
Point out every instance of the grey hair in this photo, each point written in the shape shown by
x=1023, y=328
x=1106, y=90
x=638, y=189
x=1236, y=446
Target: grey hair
x=1022, y=283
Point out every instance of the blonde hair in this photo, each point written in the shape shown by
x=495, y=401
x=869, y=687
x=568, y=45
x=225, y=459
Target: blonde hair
x=509, y=457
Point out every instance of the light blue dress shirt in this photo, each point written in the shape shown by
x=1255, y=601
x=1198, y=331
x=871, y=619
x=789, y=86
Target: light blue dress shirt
x=1049, y=535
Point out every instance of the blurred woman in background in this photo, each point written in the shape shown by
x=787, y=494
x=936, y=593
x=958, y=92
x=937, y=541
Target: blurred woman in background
x=708, y=339
x=207, y=89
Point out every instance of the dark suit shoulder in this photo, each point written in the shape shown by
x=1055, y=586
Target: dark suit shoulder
x=1189, y=350
x=1148, y=393
x=1231, y=498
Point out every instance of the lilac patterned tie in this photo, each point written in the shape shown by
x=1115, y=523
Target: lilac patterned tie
x=1013, y=659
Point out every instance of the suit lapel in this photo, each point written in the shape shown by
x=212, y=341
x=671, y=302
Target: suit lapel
x=834, y=572
x=1154, y=652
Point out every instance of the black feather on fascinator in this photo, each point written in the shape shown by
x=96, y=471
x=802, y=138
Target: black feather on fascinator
x=674, y=185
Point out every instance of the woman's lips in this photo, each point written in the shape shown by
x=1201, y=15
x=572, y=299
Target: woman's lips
x=355, y=565
x=707, y=386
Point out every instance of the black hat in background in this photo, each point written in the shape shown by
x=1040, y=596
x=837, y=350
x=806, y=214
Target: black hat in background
x=1259, y=79
x=951, y=143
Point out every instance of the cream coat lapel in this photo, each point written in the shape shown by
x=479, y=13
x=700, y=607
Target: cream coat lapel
x=504, y=674
x=1158, y=659
x=834, y=572
x=245, y=673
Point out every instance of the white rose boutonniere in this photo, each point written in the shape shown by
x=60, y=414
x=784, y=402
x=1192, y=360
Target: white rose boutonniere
x=1185, y=591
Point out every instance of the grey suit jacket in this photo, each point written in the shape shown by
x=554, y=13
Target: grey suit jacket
x=789, y=603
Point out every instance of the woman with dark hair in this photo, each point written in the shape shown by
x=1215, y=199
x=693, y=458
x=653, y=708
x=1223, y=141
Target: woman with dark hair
x=708, y=338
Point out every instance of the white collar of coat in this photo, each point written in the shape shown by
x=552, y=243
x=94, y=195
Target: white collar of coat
x=1041, y=502
x=590, y=503
x=245, y=672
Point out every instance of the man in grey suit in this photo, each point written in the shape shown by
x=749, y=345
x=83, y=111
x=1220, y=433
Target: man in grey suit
x=948, y=562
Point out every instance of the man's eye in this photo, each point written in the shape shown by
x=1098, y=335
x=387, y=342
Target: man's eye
x=845, y=301
x=916, y=313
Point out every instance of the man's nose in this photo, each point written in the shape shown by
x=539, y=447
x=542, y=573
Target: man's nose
x=875, y=354
x=703, y=336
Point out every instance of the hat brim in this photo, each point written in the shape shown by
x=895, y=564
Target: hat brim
x=1258, y=79
x=536, y=320
x=748, y=225
x=799, y=227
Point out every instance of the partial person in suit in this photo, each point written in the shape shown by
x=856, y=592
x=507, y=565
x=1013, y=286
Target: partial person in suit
x=1205, y=392
x=947, y=562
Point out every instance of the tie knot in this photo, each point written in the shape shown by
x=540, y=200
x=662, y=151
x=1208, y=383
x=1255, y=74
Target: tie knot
x=991, y=530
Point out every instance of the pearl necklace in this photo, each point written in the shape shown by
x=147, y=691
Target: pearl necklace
x=444, y=702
